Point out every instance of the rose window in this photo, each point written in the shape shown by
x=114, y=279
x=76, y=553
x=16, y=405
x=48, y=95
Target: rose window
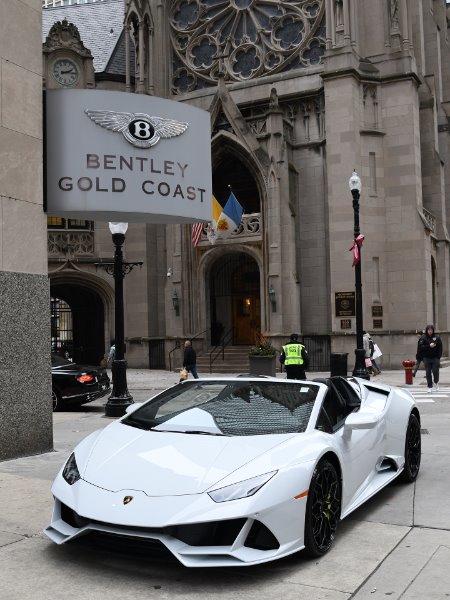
x=243, y=39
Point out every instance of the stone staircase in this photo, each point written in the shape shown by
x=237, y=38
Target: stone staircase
x=236, y=361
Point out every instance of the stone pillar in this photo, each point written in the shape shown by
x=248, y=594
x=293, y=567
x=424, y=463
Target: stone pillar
x=151, y=51
x=26, y=404
x=342, y=124
x=329, y=24
x=346, y=22
x=404, y=24
x=281, y=231
x=136, y=296
x=141, y=60
x=127, y=59
x=161, y=59
x=443, y=285
x=408, y=257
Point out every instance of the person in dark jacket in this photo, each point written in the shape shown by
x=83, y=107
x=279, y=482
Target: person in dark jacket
x=190, y=359
x=430, y=349
x=419, y=358
x=294, y=357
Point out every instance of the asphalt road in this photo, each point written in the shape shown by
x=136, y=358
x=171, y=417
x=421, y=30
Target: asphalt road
x=397, y=546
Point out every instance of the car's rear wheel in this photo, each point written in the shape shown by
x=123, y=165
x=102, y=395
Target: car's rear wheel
x=323, y=509
x=56, y=400
x=413, y=450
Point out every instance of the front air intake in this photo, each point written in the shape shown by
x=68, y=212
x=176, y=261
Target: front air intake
x=261, y=538
x=72, y=518
x=215, y=533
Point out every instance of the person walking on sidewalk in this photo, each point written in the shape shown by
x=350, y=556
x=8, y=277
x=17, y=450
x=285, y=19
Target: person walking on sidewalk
x=367, y=352
x=294, y=357
x=375, y=354
x=111, y=357
x=190, y=359
x=419, y=357
x=430, y=349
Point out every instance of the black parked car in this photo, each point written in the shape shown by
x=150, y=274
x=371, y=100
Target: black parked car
x=76, y=384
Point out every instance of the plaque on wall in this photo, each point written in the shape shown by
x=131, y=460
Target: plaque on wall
x=345, y=304
x=346, y=323
x=377, y=311
x=378, y=323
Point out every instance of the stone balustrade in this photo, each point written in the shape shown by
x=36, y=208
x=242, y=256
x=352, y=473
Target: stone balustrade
x=250, y=229
x=430, y=219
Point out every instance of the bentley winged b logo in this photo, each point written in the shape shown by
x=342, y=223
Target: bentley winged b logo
x=138, y=129
x=127, y=499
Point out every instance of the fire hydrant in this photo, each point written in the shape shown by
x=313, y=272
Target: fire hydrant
x=409, y=366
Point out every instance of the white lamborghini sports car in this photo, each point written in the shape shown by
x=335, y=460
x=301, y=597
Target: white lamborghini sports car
x=240, y=471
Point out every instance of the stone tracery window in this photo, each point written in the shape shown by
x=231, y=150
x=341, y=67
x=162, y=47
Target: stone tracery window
x=243, y=39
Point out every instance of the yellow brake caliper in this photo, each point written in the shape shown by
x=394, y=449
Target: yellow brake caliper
x=328, y=511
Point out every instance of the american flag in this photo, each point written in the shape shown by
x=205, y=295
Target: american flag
x=197, y=229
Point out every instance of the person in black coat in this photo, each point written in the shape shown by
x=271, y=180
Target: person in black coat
x=419, y=358
x=190, y=359
x=430, y=350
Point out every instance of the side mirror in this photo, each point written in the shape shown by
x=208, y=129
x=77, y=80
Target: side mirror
x=130, y=409
x=363, y=419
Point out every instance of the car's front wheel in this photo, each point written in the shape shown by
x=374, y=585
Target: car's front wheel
x=323, y=509
x=56, y=400
x=413, y=450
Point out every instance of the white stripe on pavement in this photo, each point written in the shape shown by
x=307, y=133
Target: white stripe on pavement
x=424, y=400
x=430, y=396
x=424, y=389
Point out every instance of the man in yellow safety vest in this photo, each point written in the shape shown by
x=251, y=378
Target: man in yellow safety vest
x=294, y=357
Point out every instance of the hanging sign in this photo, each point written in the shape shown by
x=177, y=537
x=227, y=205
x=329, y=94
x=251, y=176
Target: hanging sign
x=114, y=156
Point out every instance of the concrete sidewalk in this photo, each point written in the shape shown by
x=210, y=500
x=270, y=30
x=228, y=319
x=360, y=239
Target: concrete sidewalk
x=396, y=546
x=141, y=381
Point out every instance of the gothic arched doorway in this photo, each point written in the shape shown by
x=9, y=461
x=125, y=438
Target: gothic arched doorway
x=229, y=170
x=78, y=322
x=235, y=304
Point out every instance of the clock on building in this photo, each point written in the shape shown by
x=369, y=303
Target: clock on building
x=65, y=72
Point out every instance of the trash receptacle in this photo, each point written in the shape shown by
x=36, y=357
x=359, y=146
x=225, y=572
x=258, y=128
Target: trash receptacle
x=338, y=364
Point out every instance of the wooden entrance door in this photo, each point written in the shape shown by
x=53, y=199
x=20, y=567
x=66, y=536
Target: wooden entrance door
x=246, y=318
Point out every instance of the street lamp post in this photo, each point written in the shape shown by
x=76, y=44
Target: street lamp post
x=360, y=369
x=120, y=397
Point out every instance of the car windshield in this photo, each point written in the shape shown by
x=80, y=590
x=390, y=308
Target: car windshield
x=59, y=361
x=230, y=408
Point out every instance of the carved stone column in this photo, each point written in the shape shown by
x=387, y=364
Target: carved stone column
x=141, y=60
x=150, y=58
x=127, y=58
x=404, y=24
x=161, y=59
x=329, y=25
x=281, y=249
x=346, y=22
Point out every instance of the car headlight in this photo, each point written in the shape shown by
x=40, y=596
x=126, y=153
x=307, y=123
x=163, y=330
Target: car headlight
x=243, y=489
x=70, y=472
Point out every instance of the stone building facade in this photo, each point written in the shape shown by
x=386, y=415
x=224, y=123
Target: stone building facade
x=25, y=390
x=300, y=93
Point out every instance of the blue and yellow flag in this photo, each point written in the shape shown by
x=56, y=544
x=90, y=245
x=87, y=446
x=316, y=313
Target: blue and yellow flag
x=216, y=210
x=231, y=217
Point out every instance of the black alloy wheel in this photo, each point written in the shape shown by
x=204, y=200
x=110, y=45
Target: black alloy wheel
x=413, y=450
x=323, y=509
x=56, y=400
